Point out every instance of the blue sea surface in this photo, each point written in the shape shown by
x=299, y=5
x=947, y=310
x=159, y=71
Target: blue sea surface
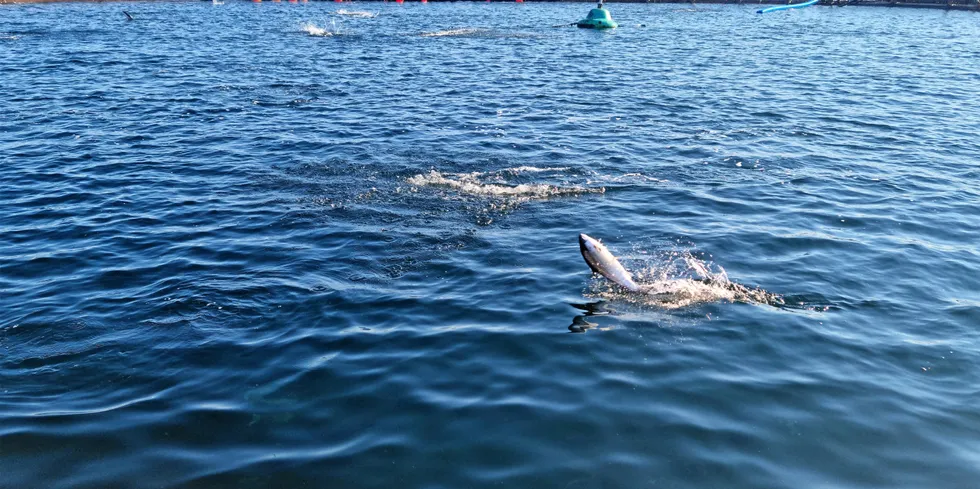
x=277, y=246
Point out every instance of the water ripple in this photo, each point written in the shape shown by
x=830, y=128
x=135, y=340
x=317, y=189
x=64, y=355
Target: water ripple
x=280, y=245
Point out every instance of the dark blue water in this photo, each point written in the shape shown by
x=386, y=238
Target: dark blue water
x=237, y=251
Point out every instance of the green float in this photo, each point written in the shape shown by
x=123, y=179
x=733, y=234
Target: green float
x=598, y=18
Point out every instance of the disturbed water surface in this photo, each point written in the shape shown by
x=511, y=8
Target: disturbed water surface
x=267, y=245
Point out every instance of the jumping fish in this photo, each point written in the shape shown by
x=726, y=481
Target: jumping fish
x=601, y=261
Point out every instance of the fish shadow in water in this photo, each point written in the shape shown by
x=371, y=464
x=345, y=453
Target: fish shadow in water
x=581, y=324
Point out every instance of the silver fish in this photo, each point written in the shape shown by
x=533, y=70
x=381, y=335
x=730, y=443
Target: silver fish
x=601, y=261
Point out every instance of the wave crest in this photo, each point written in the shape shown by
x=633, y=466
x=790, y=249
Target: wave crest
x=456, y=32
x=317, y=31
x=495, y=184
x=363, y=14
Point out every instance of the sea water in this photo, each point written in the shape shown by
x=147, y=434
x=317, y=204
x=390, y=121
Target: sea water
x=273, y=245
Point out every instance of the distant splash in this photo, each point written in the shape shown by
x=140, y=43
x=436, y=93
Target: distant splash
x=464, y=32
x=8, y=37
x=497, y=184
x=316, y=31
x=533, y=169
x=674, y=280
x=633, y=178
x=363, y=14
x=480, y=33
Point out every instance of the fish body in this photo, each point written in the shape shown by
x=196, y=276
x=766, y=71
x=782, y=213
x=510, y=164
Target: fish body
x=601, y=261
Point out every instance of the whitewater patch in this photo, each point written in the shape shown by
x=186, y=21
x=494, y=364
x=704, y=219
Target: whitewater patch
x=498, y=184
x=362, y=14
x=316, y=31
x=481, y=33
x=456, y=32
x=677, y=279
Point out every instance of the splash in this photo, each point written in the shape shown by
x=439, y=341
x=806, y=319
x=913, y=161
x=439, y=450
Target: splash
x=481, y=33
x=496, y=184
x=363, y=14
x=679, y=279
x=633, y=178
x=533, y=169
x=316, y=31
x=455, y=32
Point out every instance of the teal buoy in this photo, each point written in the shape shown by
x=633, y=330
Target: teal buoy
x=598, y=18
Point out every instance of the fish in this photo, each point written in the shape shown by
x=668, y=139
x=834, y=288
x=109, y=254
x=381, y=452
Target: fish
x=601, y=261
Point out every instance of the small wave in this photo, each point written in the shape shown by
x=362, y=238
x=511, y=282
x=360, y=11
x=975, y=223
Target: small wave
x=481, y=33
x=363, y=14
x=494, y=184
x=534, y=169
x=8, y=37
x=316, y=31
x=632, y=178
x=456, y=32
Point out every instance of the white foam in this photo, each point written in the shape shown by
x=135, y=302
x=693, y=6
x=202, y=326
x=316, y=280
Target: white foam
x=453, y=32
x=479, y=184
x=633, y=177
x=316, y=31
x=533, y=169
x=679, y=280
x=357, y=13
